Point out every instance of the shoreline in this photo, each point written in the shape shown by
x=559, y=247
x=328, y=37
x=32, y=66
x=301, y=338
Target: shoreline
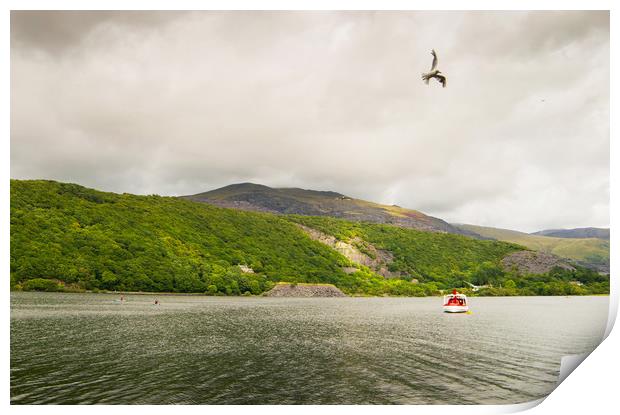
x=198, y=294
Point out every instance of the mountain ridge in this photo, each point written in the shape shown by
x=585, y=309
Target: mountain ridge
x=297, y=201
x=590, y=252
x=588, y=232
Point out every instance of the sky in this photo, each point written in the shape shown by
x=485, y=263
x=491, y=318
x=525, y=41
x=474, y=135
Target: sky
x=178, y=103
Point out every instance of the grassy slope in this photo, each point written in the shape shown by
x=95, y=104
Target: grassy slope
x=127, y=242
x=584, y=249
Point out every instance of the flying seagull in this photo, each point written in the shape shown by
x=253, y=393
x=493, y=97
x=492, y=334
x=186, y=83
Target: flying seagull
x=434, y=73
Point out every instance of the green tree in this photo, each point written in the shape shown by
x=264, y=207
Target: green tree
x=510, y=284
x=41, y=284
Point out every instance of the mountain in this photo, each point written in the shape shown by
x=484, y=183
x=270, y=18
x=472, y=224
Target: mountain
x=600, y=233
x=68, y=237
x=87, y=239
x=260, y=198
x=592, y=252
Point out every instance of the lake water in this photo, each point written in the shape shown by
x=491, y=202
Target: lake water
x=87, y=348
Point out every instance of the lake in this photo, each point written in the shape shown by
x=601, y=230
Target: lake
x=89, y=348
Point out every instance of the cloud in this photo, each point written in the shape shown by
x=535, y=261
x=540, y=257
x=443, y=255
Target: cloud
x=183, y=102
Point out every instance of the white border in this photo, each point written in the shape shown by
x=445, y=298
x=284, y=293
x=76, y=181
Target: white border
x=590, y=388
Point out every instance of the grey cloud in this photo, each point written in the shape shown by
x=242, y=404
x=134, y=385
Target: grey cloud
x=530, y=34
x=55, y=32
x=182, y=102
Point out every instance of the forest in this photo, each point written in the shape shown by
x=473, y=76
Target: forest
x=65, y=237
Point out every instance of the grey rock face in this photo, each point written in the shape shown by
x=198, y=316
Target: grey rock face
x=530, y=262
x=304, y=290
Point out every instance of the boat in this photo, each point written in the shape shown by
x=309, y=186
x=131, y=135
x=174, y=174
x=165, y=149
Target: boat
x=455, y=303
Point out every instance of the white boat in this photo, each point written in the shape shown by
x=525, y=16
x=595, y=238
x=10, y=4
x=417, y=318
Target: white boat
x=455, y=303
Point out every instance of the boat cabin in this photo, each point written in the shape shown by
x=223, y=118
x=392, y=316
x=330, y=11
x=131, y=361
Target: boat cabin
x=455, y=303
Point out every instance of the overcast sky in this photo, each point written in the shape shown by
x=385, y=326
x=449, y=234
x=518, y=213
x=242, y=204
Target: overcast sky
x=178, y=103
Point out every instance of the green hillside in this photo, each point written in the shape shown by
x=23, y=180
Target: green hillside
x=65, y=236
x=448, y=261
x=593, y=251
x=426, y=256
x=151, y=243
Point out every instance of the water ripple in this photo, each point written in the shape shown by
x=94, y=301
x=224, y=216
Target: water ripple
x=88, y=349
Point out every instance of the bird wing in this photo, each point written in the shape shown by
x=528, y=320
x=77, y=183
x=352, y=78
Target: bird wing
x=442, y=79
x=435, y=60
